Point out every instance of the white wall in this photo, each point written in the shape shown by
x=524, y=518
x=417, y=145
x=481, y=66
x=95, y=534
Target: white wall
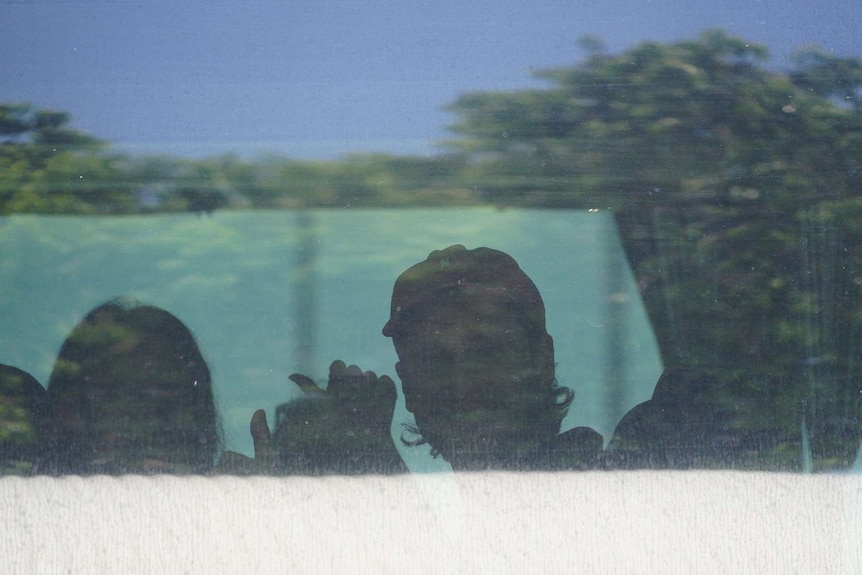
x=517, y=523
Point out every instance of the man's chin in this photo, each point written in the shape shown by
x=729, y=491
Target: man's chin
x=467, y=440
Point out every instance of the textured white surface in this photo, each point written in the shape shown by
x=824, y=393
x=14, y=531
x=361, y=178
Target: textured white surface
x=493, y=523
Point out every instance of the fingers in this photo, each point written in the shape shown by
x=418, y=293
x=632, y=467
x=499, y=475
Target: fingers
x=264, y=450
x=236, y=464
x=342, y=377
x=259, y=427
x=305, y=383
x=355, y=412
x=350, y=383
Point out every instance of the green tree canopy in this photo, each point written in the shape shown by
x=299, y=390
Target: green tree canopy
x=732, y=185
x=50, y=167
x=827, y=75
x=21, y=124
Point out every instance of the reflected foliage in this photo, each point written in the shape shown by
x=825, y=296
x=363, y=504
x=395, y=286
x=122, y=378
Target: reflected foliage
x=736, y=191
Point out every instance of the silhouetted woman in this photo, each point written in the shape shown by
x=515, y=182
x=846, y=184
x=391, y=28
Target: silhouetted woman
x=131, y=393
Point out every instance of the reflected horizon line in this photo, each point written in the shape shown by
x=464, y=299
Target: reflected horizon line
x=300, y=150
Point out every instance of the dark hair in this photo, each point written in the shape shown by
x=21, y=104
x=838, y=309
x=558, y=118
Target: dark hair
x=133, y=374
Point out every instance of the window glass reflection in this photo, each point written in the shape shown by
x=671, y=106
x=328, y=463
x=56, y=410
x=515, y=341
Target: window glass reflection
x=249, y=273
x=651, y=261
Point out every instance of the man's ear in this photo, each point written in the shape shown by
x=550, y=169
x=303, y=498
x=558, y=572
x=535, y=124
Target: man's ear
x=406, y=388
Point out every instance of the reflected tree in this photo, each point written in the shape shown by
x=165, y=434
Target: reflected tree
x=729, y=182
x=50, y=167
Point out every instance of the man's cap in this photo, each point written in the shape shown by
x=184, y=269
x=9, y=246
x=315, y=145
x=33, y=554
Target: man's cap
x=457, y=270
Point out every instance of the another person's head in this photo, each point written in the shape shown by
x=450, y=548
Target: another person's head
x=475, y=359
x=23, y=406
x=131, y=393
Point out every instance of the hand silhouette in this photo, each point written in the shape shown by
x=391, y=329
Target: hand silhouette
x=366, y=401
x=265, y=459
x=344, y=429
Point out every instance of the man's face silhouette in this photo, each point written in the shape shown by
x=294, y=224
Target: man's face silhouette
x=462, y=365
x=475, y=360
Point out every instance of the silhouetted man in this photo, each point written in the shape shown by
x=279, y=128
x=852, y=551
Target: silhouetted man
x=477, y=365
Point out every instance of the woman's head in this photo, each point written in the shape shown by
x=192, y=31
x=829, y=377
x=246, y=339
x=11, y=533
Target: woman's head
x=131, y=392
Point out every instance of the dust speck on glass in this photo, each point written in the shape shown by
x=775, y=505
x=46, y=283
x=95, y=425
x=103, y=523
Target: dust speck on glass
x=626, y=249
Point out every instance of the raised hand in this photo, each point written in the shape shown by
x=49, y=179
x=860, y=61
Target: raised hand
x=265, y=460
x=341, y=430
x=367, y=401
